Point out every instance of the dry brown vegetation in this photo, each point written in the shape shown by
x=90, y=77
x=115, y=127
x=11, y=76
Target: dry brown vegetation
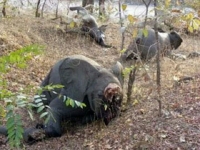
x=139, y=126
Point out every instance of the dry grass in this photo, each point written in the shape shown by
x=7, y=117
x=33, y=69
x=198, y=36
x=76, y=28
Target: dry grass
x=139, y=127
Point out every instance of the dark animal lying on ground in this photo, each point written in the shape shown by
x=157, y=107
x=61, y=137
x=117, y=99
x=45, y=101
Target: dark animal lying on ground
x=90, y=26
x=146, y=47
x=85, y=81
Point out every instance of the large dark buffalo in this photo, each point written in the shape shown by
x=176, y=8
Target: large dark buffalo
x=85, y=81
x=146, y=47
x=90, y=26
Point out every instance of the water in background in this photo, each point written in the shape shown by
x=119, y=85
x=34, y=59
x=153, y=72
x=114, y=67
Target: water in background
x=27, y=6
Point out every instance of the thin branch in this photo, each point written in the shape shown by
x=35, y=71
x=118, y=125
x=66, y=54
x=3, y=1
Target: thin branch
x=43, y=8
x=147, y=9
x=121, y=23
x=57, y=8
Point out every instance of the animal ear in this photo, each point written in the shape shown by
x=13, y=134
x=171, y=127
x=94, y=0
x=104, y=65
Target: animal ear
x=103, y=28
x=117, y=70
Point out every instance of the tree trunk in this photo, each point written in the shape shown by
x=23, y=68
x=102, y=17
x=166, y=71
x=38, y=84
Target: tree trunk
x=43, y=8
x=158, y=80
x=4, y=8
x=102, y=7
x=90, y=3
x=37, y=14
x=131, y=80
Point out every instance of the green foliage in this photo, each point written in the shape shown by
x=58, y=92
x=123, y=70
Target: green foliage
x=41, y=108
x=19, y=57
x=15, y=130
x=180, y=17
x=122, y=51
x=145, y=32
x=49, y=87
x=127, y=70
x=39, y=99
x=14, y=127
x=14, y=123
x=73, y=103
x=193, y=22
x=131, y=19
x=10, y=100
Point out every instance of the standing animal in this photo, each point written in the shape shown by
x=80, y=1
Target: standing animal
x=85, y=81
x=90, y=26
x=146, y=47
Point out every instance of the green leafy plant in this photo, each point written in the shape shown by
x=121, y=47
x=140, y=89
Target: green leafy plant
x=19, y=57
x=12, y=100
x=39, y=99
x=193, y=23
x=73, y=103
x=14, y=123
x=127, y=70
x=41, y=107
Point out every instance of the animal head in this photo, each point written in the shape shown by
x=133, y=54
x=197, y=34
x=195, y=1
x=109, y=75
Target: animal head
x=175, y=39
x=112, y=102
x=105, y=95
x=145, y=47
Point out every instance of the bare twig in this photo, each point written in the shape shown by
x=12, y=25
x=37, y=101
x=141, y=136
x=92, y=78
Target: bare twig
x=147, y=9
x=101, y=7
x=120, y=18
x=57, y=8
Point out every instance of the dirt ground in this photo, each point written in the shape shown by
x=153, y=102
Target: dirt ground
x=139, y=126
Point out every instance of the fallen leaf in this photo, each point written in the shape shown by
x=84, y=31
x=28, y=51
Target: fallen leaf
x=107, y=146
x=135, y=102
x=163, y=136
x=182, y=139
